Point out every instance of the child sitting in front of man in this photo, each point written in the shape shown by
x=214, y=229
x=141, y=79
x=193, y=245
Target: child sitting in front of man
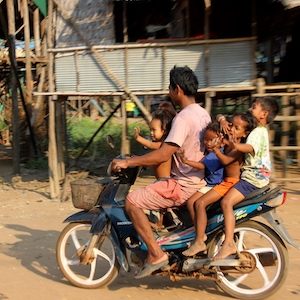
x=242, y=124
x=160, y=126
x=257, y=167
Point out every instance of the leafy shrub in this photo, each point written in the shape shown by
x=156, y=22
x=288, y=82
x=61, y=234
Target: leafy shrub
x=81, y=131
x=37, y=164
x=2, y=125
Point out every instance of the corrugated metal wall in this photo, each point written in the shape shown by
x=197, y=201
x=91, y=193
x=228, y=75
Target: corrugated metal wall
x=147, y=68
x=231, y=64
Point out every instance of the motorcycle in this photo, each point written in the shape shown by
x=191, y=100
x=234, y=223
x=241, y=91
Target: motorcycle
x=101, y=238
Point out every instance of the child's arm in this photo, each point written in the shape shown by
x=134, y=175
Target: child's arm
x=244, y=148
x=225, y=159
x=195, y=164
x=145, y=142
x=224, y=124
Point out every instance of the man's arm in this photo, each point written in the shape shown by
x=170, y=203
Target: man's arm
x=153, y=158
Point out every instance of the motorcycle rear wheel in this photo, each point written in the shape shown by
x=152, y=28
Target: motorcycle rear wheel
x=271, y=262
x=102, y=270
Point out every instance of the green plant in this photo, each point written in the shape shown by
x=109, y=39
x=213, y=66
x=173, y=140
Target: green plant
x=38, y=164
x=81, y=131
x=2, y=125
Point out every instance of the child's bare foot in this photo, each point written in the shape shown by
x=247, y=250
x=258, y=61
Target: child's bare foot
x=225, y=251
x=196, y=247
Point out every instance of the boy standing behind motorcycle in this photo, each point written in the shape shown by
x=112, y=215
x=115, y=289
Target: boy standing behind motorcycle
x=187, y=131
x=256, y=170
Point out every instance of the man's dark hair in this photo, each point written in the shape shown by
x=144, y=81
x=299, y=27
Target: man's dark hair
x=270, y=105
x=185, y=78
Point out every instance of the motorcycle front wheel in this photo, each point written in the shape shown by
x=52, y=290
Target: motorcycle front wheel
x=269, y=266
x=103, y=266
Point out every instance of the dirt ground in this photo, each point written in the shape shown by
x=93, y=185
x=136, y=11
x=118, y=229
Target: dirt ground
x=30, y=224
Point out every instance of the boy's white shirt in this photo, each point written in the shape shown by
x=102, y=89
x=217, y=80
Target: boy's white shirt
x=257, y=168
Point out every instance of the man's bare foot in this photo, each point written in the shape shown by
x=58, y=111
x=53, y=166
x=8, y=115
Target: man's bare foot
x=196, y=247
x=225, y=251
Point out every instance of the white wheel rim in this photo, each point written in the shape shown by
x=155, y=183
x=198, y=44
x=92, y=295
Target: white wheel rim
x=266, y=280
x=100, y=257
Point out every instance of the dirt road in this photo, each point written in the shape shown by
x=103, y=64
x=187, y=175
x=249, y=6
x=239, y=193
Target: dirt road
x=30, y=224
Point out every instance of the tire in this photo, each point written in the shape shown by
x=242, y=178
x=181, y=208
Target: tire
x=270, y=267
x=102, y=270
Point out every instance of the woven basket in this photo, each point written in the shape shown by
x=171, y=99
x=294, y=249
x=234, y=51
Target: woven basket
x=85, y=193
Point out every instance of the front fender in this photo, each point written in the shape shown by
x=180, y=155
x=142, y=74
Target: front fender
x=119, y=252
x=97, y=228
x=97, y=218
x=82, y=216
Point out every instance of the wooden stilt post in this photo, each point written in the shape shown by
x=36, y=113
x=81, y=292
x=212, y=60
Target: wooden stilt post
x=52, y=159
x=206, y=37
x=125, y=146
x=13, y=87
x=285, y=133
x=298, y=127
x=60, y=137
x=27, y=57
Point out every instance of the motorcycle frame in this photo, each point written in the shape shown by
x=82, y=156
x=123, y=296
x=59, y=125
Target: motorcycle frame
x=110, y=210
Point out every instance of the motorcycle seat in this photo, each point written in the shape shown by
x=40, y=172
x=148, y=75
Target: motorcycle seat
x=256, y=196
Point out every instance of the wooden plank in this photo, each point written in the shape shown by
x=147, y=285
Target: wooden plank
x=281, y=94
x=287, y=118
x=284, y=148
x=286, y=179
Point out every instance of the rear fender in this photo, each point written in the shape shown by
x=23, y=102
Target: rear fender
x=277, y=224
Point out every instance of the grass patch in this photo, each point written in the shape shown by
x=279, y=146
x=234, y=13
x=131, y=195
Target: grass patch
x=37, y=164
x=81, y=131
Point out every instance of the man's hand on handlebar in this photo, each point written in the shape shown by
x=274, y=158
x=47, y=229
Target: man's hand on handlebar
x=118, y=164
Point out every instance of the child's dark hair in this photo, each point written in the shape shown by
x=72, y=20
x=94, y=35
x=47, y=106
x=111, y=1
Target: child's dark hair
x=270, y=105
x=185, y=78
x=247, y=117
x=214, y=127
x=166, y=120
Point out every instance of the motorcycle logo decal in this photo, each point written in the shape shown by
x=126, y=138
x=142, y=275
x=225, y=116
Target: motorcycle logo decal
x=175, y=236
x=124, y=223
x=239, y=214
